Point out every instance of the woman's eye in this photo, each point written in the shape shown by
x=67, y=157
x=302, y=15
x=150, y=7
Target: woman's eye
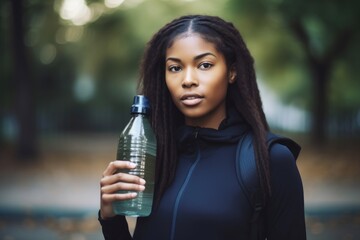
x=205, y=65
x=174, y=68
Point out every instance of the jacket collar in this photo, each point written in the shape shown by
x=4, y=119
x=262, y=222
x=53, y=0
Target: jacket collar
x=230, y=131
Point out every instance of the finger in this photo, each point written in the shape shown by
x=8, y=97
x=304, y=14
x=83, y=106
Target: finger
x=121, y=177
x=121, y=186
x=116, y=165
x=108, y=198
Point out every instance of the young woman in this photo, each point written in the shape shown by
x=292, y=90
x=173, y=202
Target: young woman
x=199, y=77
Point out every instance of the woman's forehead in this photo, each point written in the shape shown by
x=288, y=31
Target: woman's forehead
x=191, y=42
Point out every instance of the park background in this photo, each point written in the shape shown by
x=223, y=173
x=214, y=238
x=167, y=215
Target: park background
x=68, y=72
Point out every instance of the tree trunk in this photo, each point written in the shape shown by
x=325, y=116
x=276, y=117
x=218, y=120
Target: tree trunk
x=320, y=73
x=320, y=70
x=24, y=96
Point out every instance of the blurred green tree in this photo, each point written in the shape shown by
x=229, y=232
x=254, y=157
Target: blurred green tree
x=303, y=46
x=71, y=65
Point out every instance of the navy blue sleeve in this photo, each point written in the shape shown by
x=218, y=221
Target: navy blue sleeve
x=115, y=228
x=285, y=210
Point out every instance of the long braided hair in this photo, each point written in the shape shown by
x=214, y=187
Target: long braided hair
x=243, y=94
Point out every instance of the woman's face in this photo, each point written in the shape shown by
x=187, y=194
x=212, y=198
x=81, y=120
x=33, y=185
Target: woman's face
x=197, y=78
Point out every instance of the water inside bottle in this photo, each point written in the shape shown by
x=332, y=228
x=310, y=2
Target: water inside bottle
x=140, y=151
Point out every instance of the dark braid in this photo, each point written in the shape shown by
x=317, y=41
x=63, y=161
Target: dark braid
x=244, y=94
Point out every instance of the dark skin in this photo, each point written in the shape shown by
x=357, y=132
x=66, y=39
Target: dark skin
x=111, y=183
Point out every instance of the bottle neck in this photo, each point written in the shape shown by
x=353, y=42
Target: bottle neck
x=139, y=114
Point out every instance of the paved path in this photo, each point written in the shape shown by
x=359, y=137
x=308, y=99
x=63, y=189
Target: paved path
x=59, y=199
x=333, y=212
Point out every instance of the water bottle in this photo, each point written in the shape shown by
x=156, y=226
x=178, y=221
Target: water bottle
x=137, y=144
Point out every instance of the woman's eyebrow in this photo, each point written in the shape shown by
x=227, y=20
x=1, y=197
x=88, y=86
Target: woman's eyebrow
x=195, y=58
x=173, y=59
x=204, y=55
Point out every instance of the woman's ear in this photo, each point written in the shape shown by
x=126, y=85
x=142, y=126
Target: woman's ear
x=232, y=75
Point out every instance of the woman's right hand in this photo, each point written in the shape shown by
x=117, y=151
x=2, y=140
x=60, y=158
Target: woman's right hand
x=114, y=181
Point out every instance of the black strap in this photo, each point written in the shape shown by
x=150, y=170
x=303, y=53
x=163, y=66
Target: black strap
x=249, y=180
x=256, y=219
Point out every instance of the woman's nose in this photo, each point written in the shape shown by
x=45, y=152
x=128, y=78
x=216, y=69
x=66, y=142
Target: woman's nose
x=189, y=79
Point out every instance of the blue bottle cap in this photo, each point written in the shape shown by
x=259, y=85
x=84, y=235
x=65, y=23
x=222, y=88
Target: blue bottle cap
x=140, y=105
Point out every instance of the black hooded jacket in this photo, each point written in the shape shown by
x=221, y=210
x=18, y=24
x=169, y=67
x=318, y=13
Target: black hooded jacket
x=206, y=201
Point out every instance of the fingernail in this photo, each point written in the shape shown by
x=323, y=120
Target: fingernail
x=142, y=181
x=131, y=164
x=141, y=188
x=134, y=194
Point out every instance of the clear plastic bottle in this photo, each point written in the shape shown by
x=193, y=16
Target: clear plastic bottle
x=137, y=143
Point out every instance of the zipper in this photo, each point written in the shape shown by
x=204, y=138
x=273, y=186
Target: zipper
x=182, y=189
x=196, y=132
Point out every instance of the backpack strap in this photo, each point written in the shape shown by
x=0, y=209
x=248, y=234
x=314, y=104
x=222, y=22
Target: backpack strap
x=248, y=176
x=287, y=142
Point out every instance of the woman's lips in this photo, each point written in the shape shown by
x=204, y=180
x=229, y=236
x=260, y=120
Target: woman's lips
x=191, y=100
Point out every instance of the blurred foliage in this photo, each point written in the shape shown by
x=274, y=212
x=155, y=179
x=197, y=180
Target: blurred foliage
x=84, y=64
x=281, y=57
x=308, y=51
x=84, y=72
